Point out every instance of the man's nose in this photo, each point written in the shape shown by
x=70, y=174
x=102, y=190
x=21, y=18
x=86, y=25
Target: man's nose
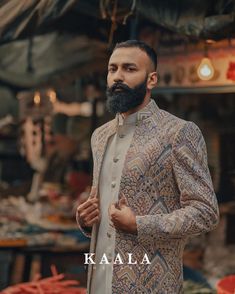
x=118, y=76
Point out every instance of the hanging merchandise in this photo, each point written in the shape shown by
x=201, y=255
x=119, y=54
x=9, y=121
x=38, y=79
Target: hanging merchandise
x=110, y=9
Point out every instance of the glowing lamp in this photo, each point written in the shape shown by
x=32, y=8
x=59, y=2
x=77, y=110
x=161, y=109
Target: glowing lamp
x=205, y=69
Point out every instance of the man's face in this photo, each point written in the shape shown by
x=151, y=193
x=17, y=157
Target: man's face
x=128, y=80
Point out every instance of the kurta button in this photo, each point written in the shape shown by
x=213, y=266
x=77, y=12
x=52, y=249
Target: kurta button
x=115, y=160
x=121, y=136
x=113, y=185
x=109, y=235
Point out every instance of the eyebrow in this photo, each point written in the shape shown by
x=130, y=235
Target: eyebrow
x=124, y=64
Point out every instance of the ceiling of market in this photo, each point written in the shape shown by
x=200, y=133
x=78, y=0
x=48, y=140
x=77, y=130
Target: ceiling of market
x=198, y=18
x=50, y=42
x=42, y=39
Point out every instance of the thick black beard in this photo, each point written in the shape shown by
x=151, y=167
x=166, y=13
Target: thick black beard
x=126, y=98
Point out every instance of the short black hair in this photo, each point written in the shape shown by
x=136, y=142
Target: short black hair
x=142, y=46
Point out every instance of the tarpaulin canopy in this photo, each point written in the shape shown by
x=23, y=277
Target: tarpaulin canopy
x=52, y=42
x=43, y=59
x=41, y=40
x=26, y=17
x=198, y=18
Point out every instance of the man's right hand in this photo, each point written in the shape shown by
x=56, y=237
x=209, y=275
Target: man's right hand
x=88, y=212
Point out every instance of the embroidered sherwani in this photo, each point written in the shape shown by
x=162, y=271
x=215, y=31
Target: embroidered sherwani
x=166, y=182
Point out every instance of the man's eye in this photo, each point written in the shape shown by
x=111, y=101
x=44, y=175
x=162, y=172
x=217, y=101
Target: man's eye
x=130, y=69
x=111, y=69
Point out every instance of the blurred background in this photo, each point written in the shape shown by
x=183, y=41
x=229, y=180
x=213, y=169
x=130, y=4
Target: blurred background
x=53, y=64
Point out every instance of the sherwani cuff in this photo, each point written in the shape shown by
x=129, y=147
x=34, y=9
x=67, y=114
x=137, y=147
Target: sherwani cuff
x=153, y=228
x=141, y=227
x=147, y=231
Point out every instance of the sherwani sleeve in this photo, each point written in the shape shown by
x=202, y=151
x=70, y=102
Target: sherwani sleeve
x=85, y=230
x=198, y=210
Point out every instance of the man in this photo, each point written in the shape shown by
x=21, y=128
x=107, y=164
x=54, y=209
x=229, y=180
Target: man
x=151, y=184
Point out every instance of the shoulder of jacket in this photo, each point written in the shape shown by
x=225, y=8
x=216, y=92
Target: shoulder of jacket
x=169, y=117
x=175, y=127
x=168, y=123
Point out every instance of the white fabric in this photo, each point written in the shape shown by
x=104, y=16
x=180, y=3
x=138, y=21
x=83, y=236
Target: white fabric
x=109, y=184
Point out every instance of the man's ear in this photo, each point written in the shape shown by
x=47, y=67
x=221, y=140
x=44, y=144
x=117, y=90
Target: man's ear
x=152, y=80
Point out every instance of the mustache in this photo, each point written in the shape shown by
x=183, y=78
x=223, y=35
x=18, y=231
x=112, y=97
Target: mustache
x=120, y=86
x=125, y=98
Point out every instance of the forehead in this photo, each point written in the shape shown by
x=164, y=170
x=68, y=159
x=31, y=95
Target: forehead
x=129, y=55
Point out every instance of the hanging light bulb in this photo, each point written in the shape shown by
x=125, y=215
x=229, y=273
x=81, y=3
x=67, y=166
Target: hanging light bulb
x=205, y=69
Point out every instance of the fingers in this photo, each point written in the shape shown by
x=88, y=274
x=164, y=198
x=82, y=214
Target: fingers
x=122, y=202
x=89, y=202
x=91, y=218
x=88, y=219
x=114, y=213
x=92, y=198
x=92, y=221
x=114, y=208
x=87, y=211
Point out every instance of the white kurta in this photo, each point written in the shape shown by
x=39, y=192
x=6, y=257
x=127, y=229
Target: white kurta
x=109, y=185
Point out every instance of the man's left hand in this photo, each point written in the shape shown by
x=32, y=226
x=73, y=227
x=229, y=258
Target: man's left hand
x=122, y=217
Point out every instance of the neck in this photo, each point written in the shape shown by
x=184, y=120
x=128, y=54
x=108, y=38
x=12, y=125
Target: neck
x=142, y=105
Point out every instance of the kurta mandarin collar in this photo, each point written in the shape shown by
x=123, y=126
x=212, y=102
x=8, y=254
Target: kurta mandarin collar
x=138, y=116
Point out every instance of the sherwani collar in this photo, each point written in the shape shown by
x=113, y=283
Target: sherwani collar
x=142, y=117
x=138, y=116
